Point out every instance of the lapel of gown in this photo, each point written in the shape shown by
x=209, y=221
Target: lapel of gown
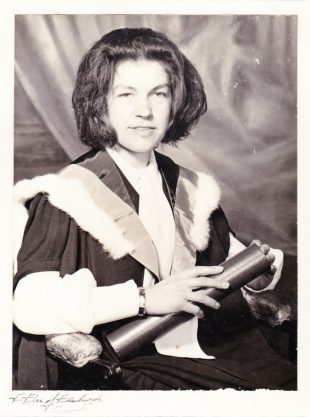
x=110, y=194
x=193, y=196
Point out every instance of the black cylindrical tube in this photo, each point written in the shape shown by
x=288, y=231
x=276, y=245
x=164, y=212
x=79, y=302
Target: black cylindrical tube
x=238, y=271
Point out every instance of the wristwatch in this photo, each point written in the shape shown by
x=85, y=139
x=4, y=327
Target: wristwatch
x=141, y=311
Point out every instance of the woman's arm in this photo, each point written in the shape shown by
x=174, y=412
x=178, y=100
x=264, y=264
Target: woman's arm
x=45, y=303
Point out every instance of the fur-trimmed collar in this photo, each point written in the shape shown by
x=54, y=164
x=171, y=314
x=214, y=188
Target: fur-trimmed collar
x=203, y=196
x=70, y=196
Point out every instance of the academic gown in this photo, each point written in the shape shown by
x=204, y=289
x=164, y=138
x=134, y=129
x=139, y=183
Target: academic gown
x=54, y=241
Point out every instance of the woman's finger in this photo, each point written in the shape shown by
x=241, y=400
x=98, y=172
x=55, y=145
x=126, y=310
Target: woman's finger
x=188, y=307
x=271, y=272
x=205, y=282
x=199, y=271
x=270, y=257
x=265, y=248
x=201, y=297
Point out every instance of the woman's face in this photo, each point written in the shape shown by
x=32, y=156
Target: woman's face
x=139, y=104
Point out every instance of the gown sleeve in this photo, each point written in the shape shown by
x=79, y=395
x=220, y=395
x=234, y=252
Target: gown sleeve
x=44, y=238
x=50, y=236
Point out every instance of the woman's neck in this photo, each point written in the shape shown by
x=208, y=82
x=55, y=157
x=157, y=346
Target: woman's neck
x=138, y=160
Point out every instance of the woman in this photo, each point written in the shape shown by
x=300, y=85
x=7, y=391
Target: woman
x=124, y=231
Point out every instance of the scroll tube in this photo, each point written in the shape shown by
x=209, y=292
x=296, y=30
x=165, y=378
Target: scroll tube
x=239, y=270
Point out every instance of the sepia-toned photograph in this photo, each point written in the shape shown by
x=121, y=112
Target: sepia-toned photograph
x=155, y=170
x=153, y=209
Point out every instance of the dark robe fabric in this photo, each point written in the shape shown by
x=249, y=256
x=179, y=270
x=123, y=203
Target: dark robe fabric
x=54, y=242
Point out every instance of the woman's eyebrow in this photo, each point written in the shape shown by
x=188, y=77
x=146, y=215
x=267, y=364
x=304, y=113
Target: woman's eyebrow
x=158, y=87
x=128, y=87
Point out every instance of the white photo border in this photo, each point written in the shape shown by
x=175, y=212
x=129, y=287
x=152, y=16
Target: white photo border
x=262, y=403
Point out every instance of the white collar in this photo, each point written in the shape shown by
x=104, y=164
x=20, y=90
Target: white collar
x=132, y=173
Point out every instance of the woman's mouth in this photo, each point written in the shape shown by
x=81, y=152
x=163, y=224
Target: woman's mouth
x=144, y=131
x=142, y=128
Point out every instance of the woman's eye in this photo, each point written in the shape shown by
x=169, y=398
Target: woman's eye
x=124, y=95
x=160, y=94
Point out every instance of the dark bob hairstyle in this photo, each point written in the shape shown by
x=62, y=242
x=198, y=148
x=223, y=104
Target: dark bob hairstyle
x=95, y=78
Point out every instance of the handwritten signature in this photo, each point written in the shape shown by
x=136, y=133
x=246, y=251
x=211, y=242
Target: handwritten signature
x=58, y=400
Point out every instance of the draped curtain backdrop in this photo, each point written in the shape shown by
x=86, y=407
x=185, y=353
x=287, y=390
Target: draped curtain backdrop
x=247, y=139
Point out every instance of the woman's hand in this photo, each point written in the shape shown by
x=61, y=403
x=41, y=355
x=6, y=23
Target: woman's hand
x=270, y=256
x=175, y=293
x=262, y=282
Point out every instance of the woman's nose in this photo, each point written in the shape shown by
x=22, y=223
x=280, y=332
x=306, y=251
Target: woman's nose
x=143, y=107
